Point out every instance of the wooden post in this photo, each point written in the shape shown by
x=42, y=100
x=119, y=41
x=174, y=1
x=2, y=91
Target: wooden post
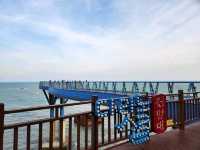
x=51, y=102
x=181, y=110
x=1, y=125
x=94, y=125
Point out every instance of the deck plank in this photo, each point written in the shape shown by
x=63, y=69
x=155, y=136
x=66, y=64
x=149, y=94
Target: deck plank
x=172, y=140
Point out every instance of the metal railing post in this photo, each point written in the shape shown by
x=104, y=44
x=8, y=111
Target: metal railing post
x=1, y=125
x=181, y=110
x=94, y=125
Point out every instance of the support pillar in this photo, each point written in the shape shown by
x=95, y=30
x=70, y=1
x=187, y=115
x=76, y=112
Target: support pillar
x=52, y=101
x=62, y=111
x=64, y=122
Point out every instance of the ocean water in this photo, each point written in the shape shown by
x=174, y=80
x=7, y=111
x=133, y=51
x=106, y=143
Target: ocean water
x=15, y=95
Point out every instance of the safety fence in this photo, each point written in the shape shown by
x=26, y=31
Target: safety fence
x=85, y=130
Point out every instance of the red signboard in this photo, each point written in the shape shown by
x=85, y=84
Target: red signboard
x=159, y=113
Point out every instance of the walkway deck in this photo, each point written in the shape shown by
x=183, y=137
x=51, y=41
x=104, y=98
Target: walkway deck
x=172, y=140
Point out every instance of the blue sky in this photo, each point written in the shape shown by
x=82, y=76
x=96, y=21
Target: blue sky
x=99, y=40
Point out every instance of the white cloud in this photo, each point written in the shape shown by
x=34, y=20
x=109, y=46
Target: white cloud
x=138, y=49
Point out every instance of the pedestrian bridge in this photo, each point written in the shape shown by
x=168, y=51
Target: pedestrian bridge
x=83, y=90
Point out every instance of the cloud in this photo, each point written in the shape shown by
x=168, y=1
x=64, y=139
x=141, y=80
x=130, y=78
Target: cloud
x=147, y=40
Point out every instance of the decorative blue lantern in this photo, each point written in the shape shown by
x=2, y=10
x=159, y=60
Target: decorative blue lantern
x=140, y=132
x=137, y=105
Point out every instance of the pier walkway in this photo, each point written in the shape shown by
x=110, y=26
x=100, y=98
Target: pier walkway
x=83, y=90
x=172, y=140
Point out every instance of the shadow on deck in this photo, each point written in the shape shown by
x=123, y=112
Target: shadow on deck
x=189, y=139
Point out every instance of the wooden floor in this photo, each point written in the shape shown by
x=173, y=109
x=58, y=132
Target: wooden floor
x=172, y=140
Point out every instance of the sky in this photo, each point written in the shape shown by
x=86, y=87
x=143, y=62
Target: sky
x=99, y=40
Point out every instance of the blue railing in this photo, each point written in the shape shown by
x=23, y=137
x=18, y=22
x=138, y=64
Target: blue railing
x=125, y=87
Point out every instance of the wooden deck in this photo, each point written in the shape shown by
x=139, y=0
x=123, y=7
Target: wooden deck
x=172, y=140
